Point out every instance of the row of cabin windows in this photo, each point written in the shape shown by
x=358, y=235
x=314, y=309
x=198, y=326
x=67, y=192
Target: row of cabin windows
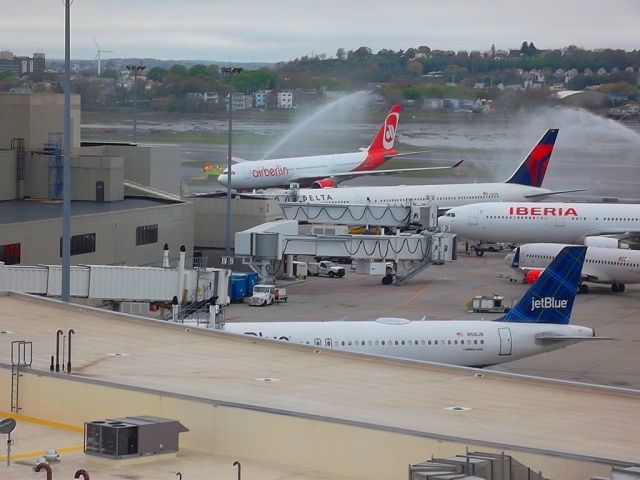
x=370, y=343
x=526, y=217
x=413, y=199
x=595, y=262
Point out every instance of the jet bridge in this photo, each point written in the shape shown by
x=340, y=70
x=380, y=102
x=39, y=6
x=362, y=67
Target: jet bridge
x=373, y=215
x=397, y=257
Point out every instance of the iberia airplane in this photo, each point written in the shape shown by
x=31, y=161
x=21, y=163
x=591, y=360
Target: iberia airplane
x=323, y=171
x=517, y=222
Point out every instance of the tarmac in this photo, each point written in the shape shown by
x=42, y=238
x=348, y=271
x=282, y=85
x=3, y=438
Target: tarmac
x=441, y=292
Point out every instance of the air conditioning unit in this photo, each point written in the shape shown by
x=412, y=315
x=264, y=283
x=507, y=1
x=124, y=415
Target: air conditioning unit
x=132, y=436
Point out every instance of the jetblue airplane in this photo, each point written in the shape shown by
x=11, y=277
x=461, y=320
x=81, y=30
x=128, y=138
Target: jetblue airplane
x=538, y=323
x=322, y=171
x=524, y=184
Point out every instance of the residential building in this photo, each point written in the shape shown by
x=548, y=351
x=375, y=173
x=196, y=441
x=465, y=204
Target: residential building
x=285, y=99
x=212, y=97
x=262, y=98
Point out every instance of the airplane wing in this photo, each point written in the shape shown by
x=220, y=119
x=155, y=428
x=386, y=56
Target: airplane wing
x=347, y=175
x=405, y=154
x=549, y=338
x=542, y=196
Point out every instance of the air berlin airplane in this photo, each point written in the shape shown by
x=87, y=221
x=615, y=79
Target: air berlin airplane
x=323, y=171
x=542, y=222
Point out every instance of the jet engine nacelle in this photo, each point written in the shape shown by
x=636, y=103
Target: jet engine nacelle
x=324, y=183
x=532, y=275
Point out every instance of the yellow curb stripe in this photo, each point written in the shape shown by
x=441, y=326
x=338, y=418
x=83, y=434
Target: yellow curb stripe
x=39, y=453
x=419, y=293
x=43, y=422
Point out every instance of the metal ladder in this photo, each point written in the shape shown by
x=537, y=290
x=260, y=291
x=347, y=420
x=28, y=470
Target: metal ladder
x=21, y=357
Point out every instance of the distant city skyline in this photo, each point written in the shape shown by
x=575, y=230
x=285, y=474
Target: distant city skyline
x=245, y=31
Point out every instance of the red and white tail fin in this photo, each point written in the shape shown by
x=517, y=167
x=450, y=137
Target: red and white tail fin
x=387, y=134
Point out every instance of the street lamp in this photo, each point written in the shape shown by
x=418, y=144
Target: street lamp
x=231, y=71
x=65, y=290
x=135, y=69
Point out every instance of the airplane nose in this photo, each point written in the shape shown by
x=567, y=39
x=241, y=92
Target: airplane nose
x=223, y=179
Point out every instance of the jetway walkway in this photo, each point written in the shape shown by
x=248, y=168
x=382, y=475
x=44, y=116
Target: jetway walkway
x=373, y=215
x=125, y=285
x=267, y=245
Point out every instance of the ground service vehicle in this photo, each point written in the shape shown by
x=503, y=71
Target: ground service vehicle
x=325, y=268
x=264, y=295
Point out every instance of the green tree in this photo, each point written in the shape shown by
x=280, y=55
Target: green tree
x=200, y=71
x=157, y=74
x=179, y=71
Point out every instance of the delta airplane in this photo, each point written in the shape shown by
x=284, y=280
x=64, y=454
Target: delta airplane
x=322, y=171
x=542, y=222
x=612, y=266
x=538, y=323
x=524, y=184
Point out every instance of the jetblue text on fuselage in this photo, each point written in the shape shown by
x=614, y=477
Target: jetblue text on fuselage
x=547, y=302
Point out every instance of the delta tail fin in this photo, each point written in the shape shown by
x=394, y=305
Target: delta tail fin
x=550, y=298
x=532, y=169
x=386, y=135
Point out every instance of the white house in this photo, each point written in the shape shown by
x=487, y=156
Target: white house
x=285, y=99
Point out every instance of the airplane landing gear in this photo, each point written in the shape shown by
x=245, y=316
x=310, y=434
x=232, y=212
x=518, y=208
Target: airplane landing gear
x=582, y=288
x=618, y=287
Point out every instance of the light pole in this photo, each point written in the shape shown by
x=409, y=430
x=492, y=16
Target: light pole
x=65, y=292
x=135, y=69
x=227, y=243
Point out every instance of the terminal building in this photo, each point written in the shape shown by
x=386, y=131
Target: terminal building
x=125, y=198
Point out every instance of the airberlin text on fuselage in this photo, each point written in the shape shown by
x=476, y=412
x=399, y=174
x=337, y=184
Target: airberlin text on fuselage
x=277, y=171
x=539, y=211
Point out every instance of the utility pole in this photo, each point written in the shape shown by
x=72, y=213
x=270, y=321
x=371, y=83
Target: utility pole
x=231, y=71
x=135, y=69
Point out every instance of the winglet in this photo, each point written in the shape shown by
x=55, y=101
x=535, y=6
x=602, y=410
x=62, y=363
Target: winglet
x=386, y=135
x=532, y=169
x=550, y=298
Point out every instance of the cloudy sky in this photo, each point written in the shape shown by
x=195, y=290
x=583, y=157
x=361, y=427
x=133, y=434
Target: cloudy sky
x=273, y=31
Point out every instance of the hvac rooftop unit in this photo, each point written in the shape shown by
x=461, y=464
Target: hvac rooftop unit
x=132, y=436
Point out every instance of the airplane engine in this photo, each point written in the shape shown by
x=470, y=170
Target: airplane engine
x=532, y=275
x=324, y=183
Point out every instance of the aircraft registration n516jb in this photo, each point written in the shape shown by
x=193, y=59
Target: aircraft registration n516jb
x=542, y=222
x=538, y=323
x=322, y=171
x=524, y=184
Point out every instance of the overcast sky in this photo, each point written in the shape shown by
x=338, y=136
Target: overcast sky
x=281, y=30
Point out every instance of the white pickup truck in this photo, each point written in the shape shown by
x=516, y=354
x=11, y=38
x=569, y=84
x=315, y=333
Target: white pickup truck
x=325, y=268
x=264, y=295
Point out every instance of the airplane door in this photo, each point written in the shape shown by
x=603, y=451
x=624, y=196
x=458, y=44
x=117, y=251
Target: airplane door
x=317, y=342
x=327, y=342
x=505, y=341
x=473, y=217
x=559, y=221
